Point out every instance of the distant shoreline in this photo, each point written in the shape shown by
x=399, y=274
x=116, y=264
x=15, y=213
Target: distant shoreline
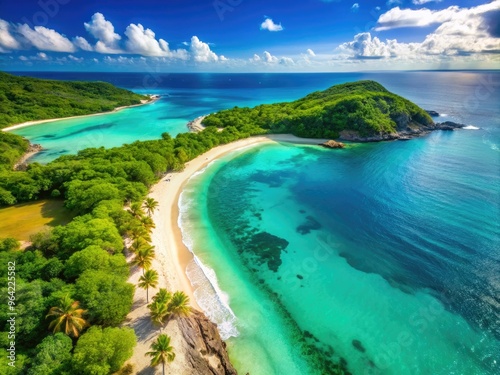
x=153, y=98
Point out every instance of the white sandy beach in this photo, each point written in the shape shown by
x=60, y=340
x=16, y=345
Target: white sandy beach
x=31, y=123
x=172, y=256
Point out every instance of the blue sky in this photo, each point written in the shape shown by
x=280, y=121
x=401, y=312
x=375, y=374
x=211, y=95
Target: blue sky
x=249, y=35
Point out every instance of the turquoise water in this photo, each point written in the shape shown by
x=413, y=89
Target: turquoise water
x=383, y=256
x=382, y=243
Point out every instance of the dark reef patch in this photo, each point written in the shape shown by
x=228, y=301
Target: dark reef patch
x=267, y=248
x=358, y=345
x=308, y=226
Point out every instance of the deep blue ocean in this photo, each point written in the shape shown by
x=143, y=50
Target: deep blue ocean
x=385, y=256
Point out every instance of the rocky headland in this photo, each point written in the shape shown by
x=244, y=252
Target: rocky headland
x=406, y=129
x=205, y=351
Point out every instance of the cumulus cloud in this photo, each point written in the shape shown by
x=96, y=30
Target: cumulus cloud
x=310, y=52
x=364, y=46
x=355, y=7
x=459, y=32
x=269, y=24
x=7, y=41
x=255, y=58
x=82, y=43
x=397, y=17
x=201, y=51
x=143, y=42
x=104, y=32
x=268, y=58
x=45, y=39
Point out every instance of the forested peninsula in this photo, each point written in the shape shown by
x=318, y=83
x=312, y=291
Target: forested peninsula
x=360, y=111
x=25, y=99
x=77, y=272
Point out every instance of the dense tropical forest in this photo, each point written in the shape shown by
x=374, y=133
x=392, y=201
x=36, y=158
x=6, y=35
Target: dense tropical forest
x=25, y=99
x=365, y=107
x=77, y=274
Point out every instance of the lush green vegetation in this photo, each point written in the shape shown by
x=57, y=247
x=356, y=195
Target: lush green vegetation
x=83, y=261
x=365, y=107
x=26, y=99
x=12, y=147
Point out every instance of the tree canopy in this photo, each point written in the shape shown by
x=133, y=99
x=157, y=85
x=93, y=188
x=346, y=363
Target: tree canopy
x=103, y=351
x=364, y=106
x=26, y=99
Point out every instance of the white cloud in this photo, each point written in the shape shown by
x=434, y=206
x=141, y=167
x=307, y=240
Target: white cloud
x=223, y=58
x=268, y=24
x=397, y=17
x=201, y=51
x=255, y=58
x=287, y=61
x=310, y=52
x=76, y=59
x=45, y=39
x=82, y=43
x=42, y=56
x=104, y=32
x=268, y=58
x=7, y=41
x=355, y=7
x=460, y=32
x=143, y=42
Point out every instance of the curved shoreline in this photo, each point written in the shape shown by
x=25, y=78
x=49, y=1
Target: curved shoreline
x=167, y=236
x=117, y=109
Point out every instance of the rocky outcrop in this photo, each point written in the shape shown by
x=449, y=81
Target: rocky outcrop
x=206, y=352
x=22, y=164
x=448, y=125
x=432, y=113
x=412, y=130
x=332, y=144
x=196, y=125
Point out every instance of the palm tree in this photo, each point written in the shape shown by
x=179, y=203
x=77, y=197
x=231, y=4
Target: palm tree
x=67, y=317
x=136, y=210
x=138, y=243
x=163, y=296
x=162, y=352
x=149, y=279
x=148, y=223
x=138, y=231
x=150, y=205
x=179, y=305
x=144, y=257
x=158, y=311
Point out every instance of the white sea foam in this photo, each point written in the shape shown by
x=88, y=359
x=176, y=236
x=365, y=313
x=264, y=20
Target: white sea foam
x=209, y=296
x=443, y=115
x=470, y=127
x=212, y=300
